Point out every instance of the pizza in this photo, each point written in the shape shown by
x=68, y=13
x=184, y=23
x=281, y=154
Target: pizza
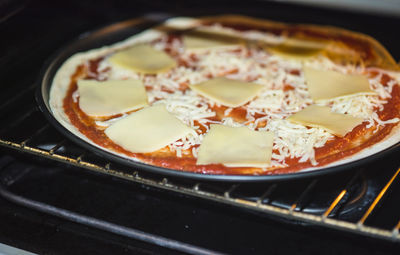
x=233, y=95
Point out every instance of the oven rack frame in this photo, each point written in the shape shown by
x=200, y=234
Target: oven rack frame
x=326, y=219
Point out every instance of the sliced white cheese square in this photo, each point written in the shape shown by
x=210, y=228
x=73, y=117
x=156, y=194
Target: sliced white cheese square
x=105, y=98
x=232, y=93
x=323, y=85
x=235, y=146
x=143, y=58
x=206, y=40
x=322, y=117
x=147, y=130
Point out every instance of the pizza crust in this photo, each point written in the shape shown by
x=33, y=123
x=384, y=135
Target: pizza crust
x=391, y=140
x=381, y=59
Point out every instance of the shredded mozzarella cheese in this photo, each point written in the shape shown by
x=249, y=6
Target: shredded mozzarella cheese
x=285, y=93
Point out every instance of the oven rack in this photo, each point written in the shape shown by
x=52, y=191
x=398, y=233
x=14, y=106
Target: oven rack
x=24, y=129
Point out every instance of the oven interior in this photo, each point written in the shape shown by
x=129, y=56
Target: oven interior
x=42, y=170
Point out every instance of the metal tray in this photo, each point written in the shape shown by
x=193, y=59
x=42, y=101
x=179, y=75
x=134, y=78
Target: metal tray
x=117, y=32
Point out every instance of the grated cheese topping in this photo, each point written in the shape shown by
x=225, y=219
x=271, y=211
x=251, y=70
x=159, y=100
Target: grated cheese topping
x=285, y=92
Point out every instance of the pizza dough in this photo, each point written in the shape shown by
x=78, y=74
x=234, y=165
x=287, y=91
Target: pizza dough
x=266, y=72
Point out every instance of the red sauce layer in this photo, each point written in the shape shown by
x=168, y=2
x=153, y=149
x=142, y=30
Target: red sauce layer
x=335, y=149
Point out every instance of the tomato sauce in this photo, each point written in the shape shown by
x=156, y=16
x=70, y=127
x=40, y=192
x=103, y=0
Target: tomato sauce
x=335, y=149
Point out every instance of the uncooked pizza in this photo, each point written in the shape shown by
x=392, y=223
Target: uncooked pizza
x=233, y=95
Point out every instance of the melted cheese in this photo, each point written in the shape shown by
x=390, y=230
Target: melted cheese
x=324, y=85
x=235, y=146
x=321, y=116
x=298, y=49
x=143, y=58
x=104, y=98
x=147, y=130
x=232, y=93
x=273, y=102
x=206, y=40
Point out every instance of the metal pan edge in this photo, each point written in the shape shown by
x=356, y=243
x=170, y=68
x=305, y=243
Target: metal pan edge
x=107, y=35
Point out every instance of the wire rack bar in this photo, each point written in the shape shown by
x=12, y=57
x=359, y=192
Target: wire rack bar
x=227, y=193
x=396, y=229
x=341, y=195
x=104, y=225
x=378, y=198
x=303, y=195
x=267, y=194
x=56, y=147
x=196, y=191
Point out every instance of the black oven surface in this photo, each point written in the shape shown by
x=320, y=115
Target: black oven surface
x=186, y=219
x=42, y=174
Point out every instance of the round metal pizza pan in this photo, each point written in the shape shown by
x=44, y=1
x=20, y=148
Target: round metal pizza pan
x=117, y=32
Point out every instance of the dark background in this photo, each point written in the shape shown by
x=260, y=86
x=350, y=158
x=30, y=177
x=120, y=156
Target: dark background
x=33, y=30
